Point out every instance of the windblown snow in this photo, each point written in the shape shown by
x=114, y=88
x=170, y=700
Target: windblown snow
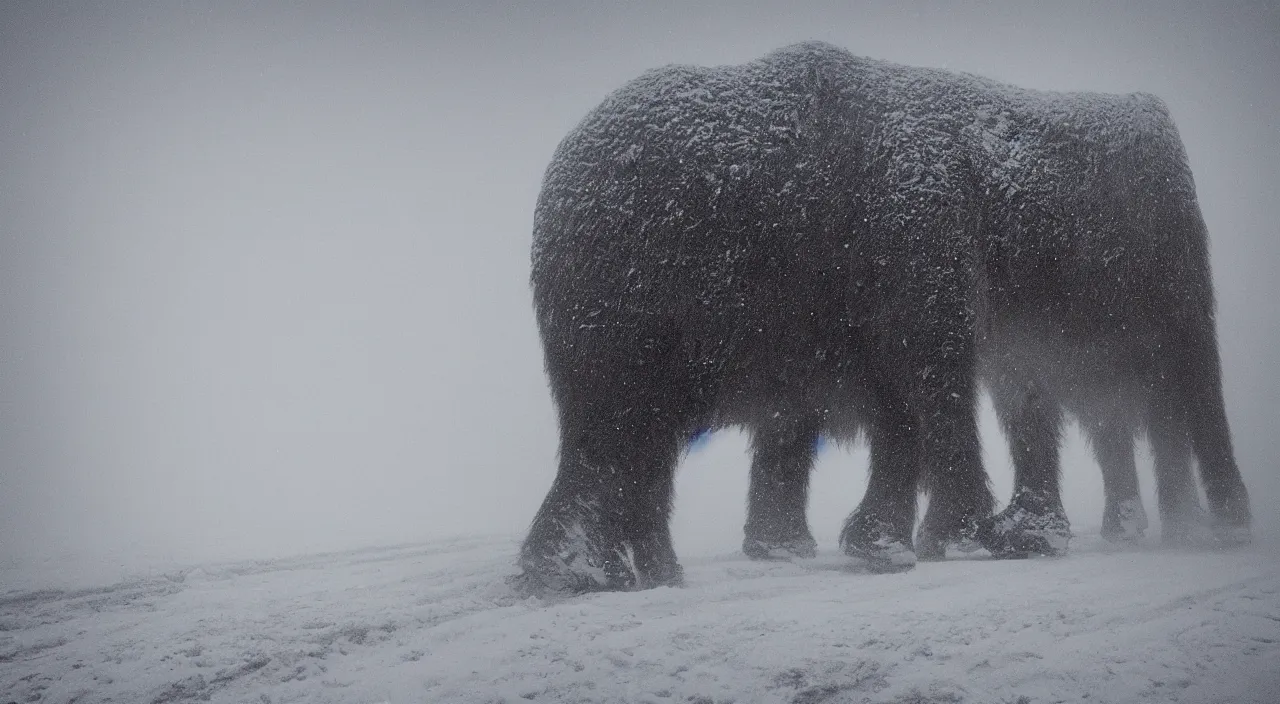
x=438, y=623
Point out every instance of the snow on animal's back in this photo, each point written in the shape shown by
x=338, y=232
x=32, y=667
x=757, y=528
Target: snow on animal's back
x=784, y=118
x=690, y=181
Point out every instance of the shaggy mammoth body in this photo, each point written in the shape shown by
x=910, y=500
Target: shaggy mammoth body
x=815, y=242
x=1031, y=402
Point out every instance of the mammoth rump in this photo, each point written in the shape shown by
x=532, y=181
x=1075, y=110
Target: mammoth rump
x=815, y=242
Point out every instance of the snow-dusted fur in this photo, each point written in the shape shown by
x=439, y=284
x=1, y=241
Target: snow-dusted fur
x=820, y=243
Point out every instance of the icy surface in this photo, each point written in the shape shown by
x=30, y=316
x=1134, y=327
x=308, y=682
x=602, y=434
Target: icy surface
x=437, y=623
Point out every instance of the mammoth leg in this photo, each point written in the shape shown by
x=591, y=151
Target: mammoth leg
x=1123, y=518
x=1034, y=522
x=953, y=475
x=927, y=437
x=960, y=498
x=782, y=459
x=1183, y=521
x=604, y=524
x=879, y=530
x=624, y=416
x=1210, y=437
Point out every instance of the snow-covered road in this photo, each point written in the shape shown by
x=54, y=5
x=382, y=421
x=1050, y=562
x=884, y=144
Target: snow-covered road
x=437, y=623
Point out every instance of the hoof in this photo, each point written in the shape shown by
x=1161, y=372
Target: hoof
x=553, y=576
x=557, y=575
x=803, y=548
x=932, y=542
x=885, y=556
x=874, y=542
x=1029, y=526
x=1231, y=521
x=1125, y=522
x=578, y=565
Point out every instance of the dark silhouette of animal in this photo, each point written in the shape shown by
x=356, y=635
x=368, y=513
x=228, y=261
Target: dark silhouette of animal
x=815, y=242
x=1034, y=522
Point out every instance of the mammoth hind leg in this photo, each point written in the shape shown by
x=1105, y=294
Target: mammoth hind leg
x=1183, y=521
x=1123, y=517
x=1034, y=522
x=782, y=460
x=1206, y=419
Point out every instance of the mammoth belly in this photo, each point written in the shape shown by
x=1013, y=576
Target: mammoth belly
x=1093, y=378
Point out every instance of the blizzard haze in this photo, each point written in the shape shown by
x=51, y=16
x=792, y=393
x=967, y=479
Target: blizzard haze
x=264, y=268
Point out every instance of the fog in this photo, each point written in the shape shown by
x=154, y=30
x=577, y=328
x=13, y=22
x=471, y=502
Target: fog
x=264, y=269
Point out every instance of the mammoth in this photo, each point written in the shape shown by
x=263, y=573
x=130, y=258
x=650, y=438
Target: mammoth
x=815, y=242
x=1032, y=416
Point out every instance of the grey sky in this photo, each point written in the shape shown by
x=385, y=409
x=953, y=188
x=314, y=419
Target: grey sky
x=263, y=270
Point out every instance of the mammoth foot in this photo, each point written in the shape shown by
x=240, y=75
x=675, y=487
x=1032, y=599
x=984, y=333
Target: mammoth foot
x=884, y=549
x=1231, y=518
x=798, y=547
x=934, y=537
x=575, y=574
x=578, y=563
x=1029, y=525
x=1124, y=521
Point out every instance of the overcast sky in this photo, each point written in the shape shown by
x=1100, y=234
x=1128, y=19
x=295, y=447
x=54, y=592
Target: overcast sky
x=264, y=269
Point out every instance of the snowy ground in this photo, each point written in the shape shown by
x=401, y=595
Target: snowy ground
x=436, y=623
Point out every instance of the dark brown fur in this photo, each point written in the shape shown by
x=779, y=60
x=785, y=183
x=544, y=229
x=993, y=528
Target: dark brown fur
x=819, y=243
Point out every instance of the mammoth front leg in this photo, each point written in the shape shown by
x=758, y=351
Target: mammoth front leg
x=781, y=463
x=960, y=498
x=605, y=523
x=879, y=530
